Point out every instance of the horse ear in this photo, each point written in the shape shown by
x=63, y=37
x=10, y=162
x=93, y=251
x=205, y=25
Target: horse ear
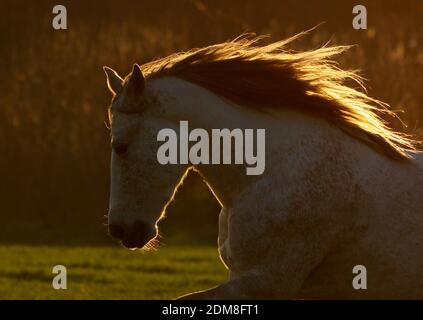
x=136, y=81
x=114, y=81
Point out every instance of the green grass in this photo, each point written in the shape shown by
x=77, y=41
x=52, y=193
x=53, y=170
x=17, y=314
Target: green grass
x=108, y=272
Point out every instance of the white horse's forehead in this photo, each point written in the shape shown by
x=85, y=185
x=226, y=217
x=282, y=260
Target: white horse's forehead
x=122, y=124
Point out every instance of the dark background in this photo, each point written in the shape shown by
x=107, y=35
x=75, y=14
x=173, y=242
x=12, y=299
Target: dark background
x=54, y=145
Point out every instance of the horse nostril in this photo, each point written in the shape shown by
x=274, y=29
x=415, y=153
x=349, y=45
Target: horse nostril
x=120, y=148
x=116, y=231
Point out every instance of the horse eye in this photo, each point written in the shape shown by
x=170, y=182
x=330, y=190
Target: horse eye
x=120, y=148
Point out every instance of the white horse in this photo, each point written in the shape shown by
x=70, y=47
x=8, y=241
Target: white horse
x=340, y=188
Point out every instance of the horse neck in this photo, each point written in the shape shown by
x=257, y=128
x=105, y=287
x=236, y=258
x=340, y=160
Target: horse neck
x=285, y=132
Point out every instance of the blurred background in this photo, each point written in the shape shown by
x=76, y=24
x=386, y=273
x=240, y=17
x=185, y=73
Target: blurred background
x=54, y=144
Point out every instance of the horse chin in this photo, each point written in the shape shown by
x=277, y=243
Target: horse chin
x=150, y=245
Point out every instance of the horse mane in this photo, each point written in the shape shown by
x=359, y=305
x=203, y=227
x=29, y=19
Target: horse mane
x=269, y=76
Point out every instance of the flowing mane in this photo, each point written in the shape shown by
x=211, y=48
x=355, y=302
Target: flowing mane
x=269, y=76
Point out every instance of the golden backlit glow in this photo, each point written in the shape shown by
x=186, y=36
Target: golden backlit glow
x=269, y=76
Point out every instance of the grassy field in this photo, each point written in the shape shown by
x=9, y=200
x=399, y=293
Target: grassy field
x=108, y=272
